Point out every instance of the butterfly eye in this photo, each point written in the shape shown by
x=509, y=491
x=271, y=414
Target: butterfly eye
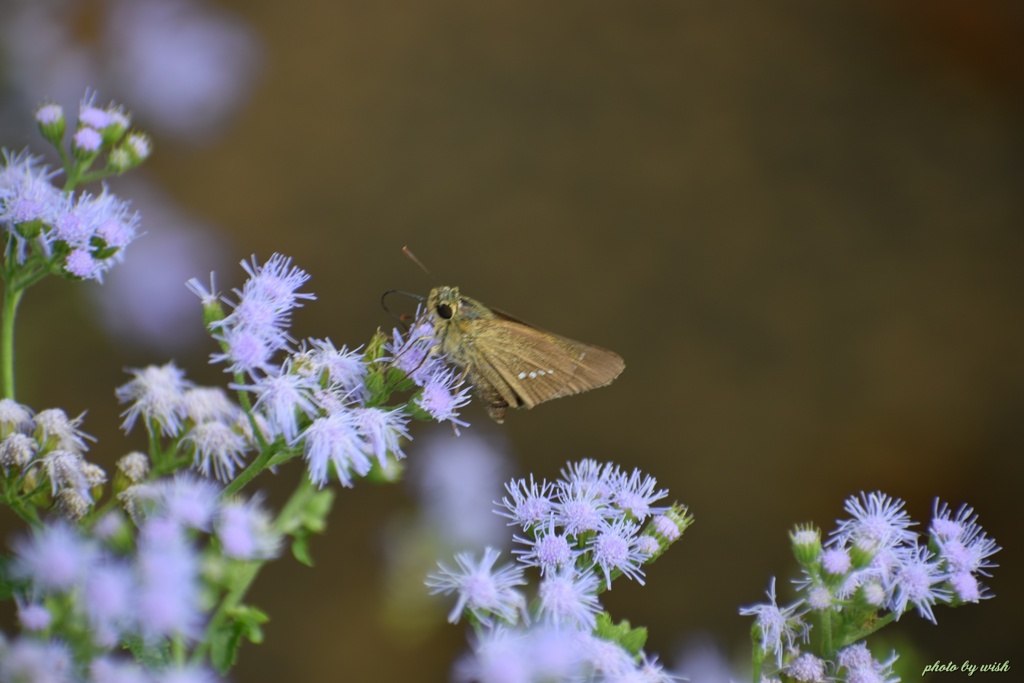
x=445, y=311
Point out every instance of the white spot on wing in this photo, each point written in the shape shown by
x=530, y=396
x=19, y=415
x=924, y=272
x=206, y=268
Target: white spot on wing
x=533, y=375
x=521, y=375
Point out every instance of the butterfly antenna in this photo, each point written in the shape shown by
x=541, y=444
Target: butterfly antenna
x=402, y=319
x=412, y=257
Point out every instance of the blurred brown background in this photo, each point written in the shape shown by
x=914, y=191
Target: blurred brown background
x=800, y=223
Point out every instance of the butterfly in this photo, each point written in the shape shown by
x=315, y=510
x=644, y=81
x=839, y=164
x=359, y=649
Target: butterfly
x=510, y=363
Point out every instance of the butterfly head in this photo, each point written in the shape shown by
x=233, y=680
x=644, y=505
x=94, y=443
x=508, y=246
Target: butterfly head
x=443, y=303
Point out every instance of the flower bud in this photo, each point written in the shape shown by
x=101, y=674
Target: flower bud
x=50, y=118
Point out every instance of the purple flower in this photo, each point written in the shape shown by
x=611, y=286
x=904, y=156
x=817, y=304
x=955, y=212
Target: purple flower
x=580, y=507
x=335, y=439
x=382, y=431
x=204, y=404
x=168, y=599
x=442, y=396
x=569, y=598
x=961, y=541
x=186, y=66
x=455, y=478
x=879, y=521
x=548, y=549
x=917, y=580
x=49, y=114
x=185, y=500
x=836, y=561
x=33, y=616
x=861, y=667
x=216, y=447
x=108, y=600
x=412, y=353
x=543, y=653
x=483, y=591
x=257, y=327
x=156, y=394
x=15, y=417
x=635, y=494
x=779, y=627
x=54, y=429
x=56, y=558
x=38, y=661
x=807, y=669
x=615, y=549
x=245, y=531
x=527, y=503
x=108, y=670
x=27, y=195
x=343, y=369
x=282, y=397
x=88, y=140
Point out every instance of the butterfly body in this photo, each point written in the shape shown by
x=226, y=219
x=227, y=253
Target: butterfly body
x=510, y=363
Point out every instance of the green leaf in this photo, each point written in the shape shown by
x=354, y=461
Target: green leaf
x=150, y=656
x=316, y=509
x=300, y=548
x=224, y=649
x=630, y=639
x=225, y=642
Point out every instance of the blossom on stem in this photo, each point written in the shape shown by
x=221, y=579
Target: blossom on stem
x=55, y=557
x=482, y=591
x=218, y=449
x=245, y=531
x=334, y=439
x=778, y=628
x=877, y=519
x=569, y=598
x=156, y=394
x=282, y=397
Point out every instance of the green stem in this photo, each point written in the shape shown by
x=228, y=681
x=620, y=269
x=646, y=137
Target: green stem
x=12, y=497
x=12, y=296
x=261, y=463
x=289, y=519
x=884, y=621
x=825, y=626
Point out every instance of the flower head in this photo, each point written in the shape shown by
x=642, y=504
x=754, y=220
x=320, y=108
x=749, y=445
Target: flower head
x=528, y=503
x=168, y=597
x=616, y=550
x=218, y=449
x=245, y=531
x=335, y=439
x=548, y=549
x=54, y=429
x=340, y=368
x=778, y=628
x=877, y=520
x=156, y=394
x=282, y=397
x=56, y=558
x=442, y=396
x=482, y=590
x=412, y=353
x=382, y=431
x=917, y=581
x=569, y=598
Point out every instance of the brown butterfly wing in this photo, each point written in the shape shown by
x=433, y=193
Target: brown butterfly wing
x=521, y=366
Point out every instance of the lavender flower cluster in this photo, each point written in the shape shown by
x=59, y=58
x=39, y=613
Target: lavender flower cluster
x=141, y=578
x=871, y=571
x=579, y=533
x=56, y=230
x=158, y=560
